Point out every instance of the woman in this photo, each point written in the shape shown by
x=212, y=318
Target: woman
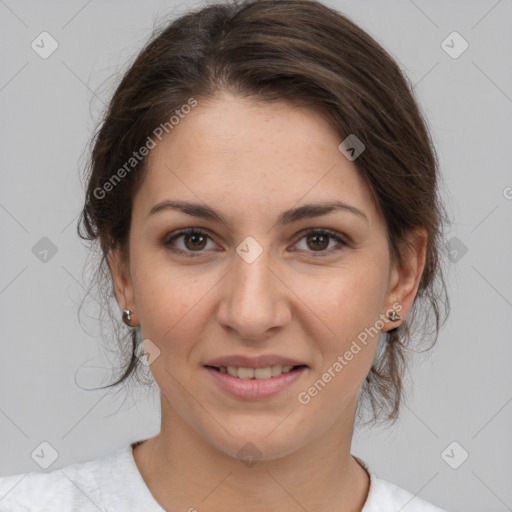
x=264, y=192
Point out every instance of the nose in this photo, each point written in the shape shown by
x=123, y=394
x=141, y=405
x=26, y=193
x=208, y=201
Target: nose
x=254, y=298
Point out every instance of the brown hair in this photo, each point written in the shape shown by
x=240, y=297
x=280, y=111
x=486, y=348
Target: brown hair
x=275, y=50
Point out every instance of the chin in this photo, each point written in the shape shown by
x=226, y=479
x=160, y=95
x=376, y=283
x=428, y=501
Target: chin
x=252, y=444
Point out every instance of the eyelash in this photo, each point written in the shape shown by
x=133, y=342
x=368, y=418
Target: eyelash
x=314, y=231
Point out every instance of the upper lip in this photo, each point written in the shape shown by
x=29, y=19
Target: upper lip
x=253, y=362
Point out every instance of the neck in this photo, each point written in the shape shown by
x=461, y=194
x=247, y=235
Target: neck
x=184, y=472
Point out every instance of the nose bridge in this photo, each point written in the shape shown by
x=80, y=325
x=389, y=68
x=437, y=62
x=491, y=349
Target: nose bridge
x=251, y=305
x=252, y=278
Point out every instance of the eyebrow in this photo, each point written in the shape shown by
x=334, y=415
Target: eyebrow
x=307, y=211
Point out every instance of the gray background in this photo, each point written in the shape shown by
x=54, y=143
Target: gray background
x=462, y=390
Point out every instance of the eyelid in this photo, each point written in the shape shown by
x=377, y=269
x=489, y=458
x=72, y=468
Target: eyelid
x=186, y=231
x=338, y=237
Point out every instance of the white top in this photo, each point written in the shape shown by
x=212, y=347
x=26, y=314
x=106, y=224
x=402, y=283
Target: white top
x=113, y=483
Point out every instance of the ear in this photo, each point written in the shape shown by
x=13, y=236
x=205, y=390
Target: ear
x=405, y=280
x=123, y=285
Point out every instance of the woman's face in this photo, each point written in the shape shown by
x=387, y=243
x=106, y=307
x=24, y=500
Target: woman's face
x=255, y=283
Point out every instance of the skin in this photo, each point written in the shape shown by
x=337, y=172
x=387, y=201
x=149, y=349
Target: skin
x=250, y=161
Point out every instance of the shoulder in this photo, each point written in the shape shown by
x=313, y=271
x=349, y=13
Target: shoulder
x=384, y=495
x=72, y=487
x=396, y=498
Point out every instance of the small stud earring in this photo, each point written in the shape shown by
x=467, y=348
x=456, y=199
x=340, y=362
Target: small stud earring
x=127, y=317
x=394, y=317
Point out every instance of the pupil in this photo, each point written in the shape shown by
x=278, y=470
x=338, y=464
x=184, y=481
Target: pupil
x=195, y=237
x=316, y=237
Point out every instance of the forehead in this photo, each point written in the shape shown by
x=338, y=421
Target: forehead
x=233, y=152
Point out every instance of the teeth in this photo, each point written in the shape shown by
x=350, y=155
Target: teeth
x=258, y=373
x=245, y=373
x=262, y=373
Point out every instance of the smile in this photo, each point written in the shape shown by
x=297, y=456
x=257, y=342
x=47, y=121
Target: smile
x=256, y=373
x=255, y=383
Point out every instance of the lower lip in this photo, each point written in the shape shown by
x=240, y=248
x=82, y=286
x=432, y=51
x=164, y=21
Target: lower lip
x=255, y=389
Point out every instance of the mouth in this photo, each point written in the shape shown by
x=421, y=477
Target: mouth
x=267, y=372
x=250, y=384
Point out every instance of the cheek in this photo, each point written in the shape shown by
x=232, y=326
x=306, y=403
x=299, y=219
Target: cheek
x=170, y=303
x=350, y=306
x=350, y=301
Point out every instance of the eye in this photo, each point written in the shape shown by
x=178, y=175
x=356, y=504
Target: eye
x=318, y=240
x=194, y=240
